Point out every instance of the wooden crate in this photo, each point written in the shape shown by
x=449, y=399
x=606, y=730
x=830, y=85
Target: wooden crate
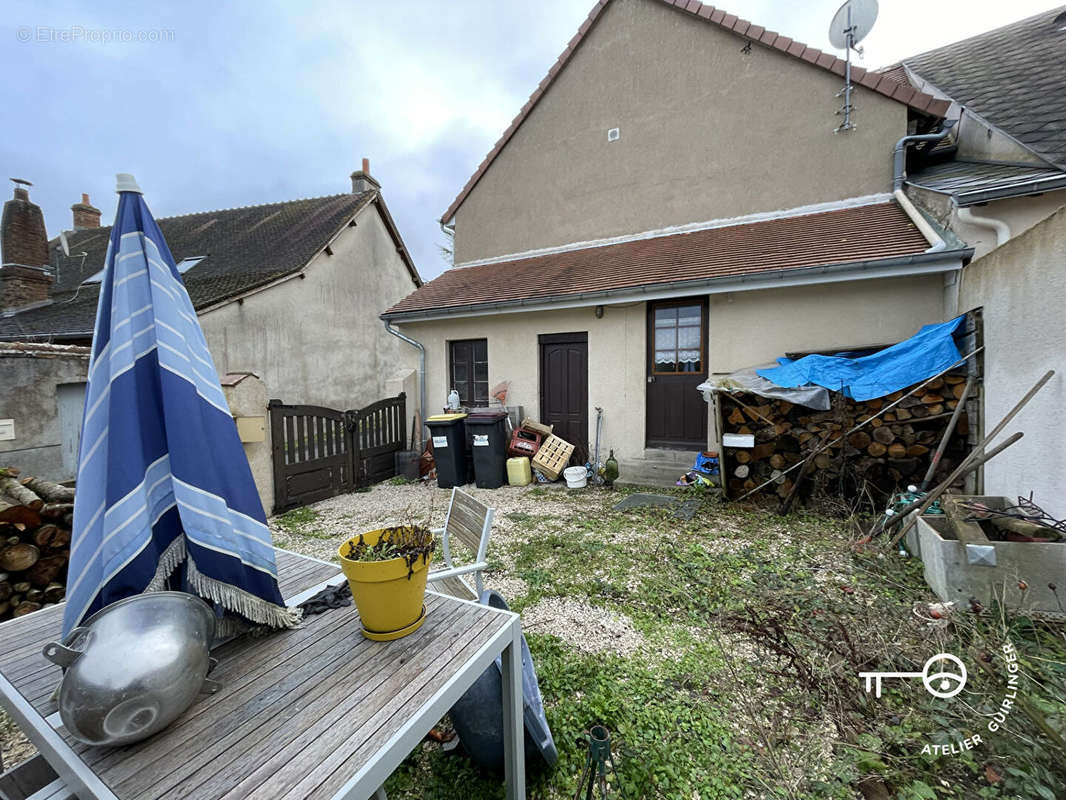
x=553, y=456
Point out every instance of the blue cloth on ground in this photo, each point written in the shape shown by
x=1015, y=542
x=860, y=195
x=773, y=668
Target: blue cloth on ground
x=930, y=351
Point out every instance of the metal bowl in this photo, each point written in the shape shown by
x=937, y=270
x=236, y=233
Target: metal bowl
x=134, y=667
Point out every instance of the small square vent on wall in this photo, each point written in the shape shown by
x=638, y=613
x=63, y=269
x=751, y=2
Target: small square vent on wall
x=613, y=135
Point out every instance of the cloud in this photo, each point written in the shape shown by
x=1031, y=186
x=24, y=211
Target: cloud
x=252, y=102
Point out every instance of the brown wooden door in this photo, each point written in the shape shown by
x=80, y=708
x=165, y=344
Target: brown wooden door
x=677, y=364
x=564, y=388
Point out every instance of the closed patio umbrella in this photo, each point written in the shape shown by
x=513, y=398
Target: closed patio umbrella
x=164, y=489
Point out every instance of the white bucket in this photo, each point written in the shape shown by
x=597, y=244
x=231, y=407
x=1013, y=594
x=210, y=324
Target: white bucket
x=576, y=477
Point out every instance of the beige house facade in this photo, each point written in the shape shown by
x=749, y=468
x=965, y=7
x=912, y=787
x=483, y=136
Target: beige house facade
x=674, y=202
x=617, y=344
x=1021, y=289
x=705, y=131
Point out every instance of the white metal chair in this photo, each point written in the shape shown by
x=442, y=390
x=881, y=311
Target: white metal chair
x=471, y=523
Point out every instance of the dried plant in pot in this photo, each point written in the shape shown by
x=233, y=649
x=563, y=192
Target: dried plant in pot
x=386, y=570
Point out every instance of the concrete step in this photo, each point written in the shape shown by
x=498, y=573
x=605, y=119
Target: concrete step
x=683, y=458
x=661, y=469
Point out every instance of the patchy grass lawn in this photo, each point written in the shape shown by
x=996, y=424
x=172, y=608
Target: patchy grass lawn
x=723, y=654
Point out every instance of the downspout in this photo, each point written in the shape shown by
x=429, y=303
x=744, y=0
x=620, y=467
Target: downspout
x=898, y=162
x=1001, y=228
x=421, y=378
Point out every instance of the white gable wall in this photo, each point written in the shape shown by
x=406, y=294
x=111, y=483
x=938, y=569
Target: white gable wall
x=317, y=339
x=706, y=131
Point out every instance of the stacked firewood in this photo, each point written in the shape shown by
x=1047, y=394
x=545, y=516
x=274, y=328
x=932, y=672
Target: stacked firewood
x=36, y=517
x=890, y=452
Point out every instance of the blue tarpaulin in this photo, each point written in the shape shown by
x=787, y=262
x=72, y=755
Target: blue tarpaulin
x=930, y=351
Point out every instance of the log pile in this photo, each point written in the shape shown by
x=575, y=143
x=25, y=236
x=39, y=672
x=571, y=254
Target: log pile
x=886, y=455
x=36, y=517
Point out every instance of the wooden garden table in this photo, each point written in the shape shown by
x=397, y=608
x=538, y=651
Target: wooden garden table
x=318, y=712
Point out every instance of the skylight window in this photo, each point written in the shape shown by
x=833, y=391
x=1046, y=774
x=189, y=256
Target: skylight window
x=183, y=266
x=188, y=263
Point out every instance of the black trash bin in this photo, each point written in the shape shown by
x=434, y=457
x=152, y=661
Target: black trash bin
x=449, y=449
x=486, y=431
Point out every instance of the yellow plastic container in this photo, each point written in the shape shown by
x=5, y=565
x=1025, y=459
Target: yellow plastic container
x=519, y=473
x=390, y=603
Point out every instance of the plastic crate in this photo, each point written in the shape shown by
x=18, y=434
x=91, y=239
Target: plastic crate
x=524, y=443
x=552, y=457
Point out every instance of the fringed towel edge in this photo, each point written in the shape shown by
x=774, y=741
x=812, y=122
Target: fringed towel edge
x=241, y=602
x=246, y=604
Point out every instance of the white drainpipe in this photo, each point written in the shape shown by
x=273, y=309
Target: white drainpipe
x=920, y=222
x=1001, y=228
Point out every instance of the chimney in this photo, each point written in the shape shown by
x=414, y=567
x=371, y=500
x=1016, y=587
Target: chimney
x=361, y=180
x=85, y=215
x=24, y=275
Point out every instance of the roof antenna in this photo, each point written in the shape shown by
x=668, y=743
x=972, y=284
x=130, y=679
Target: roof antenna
x=850, y=25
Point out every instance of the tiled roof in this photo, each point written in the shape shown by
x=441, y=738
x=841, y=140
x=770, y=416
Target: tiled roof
x=849, y=235
x=244, y=248
x=896, y=72
x=882, y=84
x=1014, y=77
x=971, y=182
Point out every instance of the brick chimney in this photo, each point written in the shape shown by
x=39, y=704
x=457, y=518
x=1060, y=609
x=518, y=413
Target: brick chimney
x=85, y=215
x=25, y=278
x=361, y=180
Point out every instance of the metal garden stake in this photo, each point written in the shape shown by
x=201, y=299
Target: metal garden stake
x=599, y=757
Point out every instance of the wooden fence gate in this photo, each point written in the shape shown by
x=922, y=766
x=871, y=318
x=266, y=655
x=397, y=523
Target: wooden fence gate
x=321, y=452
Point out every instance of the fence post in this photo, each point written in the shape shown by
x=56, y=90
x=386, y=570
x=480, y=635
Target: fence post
x=402, y=427
x=353, y=441
x=277, y=457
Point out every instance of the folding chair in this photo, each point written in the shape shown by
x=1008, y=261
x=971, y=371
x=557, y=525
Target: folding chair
x=471, y=523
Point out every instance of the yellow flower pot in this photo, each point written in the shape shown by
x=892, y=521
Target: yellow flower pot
x=388, y=596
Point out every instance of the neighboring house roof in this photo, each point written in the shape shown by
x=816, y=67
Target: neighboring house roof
x=878, y=232
x=896, y=72
x=1014, y=77
x=243, y=249
x=973, y=182
x=882, y=84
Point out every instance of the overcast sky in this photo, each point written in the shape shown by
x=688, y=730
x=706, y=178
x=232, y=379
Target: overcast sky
x=239, y=103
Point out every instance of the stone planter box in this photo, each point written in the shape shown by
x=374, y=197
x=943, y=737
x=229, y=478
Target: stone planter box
x=958, y=571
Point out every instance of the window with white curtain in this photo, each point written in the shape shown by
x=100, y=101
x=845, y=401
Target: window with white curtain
x=679, y=339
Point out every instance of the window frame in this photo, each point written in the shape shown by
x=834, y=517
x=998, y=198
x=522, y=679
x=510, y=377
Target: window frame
x=699, y=303
x=469, y=402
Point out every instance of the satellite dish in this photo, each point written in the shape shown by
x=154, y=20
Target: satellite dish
x=852, y=23
x=64, y=244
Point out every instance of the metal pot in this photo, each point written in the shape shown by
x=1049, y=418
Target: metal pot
x=134, y=667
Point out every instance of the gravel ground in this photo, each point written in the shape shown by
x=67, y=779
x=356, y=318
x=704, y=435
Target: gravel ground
x=583, y=626
x=330, y=522
x=323, y=527
x=14, y=746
